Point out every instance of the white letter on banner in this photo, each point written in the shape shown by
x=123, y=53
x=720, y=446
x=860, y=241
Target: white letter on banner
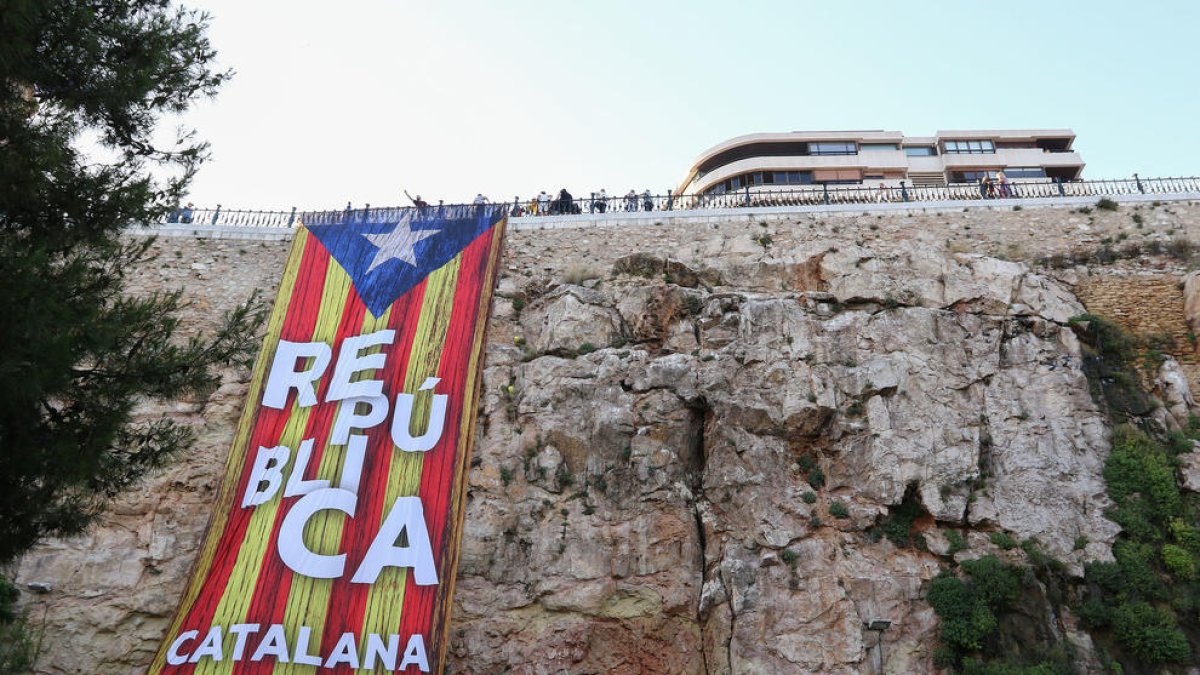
x=211, y=647
x=284, y=376
x=414, y=654
x=268, y=468
x=347, y=418
x=352, y=466
x=301, y=655
x=292, y=550
x=296, y=484
x=274, y=644
x=402, y=419
x=387, y=655
x=174, y=658
x=349, y=363
x=241, y=630
x=408, y=516
x=345, y=651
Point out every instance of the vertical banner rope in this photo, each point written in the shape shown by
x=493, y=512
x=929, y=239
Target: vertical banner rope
x=334, y=539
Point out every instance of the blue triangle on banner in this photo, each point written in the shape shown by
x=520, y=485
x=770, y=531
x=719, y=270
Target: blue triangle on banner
x=386, y=258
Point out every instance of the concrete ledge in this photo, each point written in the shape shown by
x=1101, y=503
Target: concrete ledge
x=752, y=213
x=213, y=232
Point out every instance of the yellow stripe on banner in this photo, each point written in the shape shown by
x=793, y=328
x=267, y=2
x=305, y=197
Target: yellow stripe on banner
x=385, y=600
x=239, y=592
x=308, y=599
x=237, y=450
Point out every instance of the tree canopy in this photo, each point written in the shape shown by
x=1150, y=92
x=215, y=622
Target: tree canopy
x=84, y=86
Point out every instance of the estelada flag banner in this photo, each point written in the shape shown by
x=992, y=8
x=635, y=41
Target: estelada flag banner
x=334, y=540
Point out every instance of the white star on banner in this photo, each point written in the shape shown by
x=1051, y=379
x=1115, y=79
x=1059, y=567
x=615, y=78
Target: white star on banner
x=399, y=244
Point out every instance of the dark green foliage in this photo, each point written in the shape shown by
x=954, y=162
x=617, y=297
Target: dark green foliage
x=77, y=354
x=838, y=510
x=812, y=472
x=8, y=601
x=20, y=643
x=1149, y=594
x=809, y=497
x=995, y=582
x=1150, y=633
x=1004, y=540
x=1058, y=667
x=897, y=526
x=965, y=618
x=585, y=348
x=968, y=609
x=956, y=541
x=1107, y=351
x=1106, y=204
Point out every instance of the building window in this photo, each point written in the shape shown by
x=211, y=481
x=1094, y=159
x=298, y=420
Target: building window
x=969, y=148
x=878, y=147
x=761, y=178
x=920, y=151
x=971, y=176
x=1025, y=172
x=835, y=148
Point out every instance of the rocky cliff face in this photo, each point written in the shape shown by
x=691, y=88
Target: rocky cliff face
x=714, y=450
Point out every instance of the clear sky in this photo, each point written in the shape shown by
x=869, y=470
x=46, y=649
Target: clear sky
x=357, y=100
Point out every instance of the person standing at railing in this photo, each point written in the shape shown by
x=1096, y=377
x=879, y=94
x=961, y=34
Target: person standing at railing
x=647, y=200
x=417, y=201
x=566, y=203
x=187, y=214
x=600, y=201
x=881, y=195
x=543, y=202
x=1005, y=189
x=985, y=186
x=631, y=200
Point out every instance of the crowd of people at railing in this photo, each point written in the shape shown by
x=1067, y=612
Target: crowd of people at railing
x=989, y=186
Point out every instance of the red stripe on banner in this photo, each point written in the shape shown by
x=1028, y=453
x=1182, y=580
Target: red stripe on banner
x=437, y=473
x=299, y=324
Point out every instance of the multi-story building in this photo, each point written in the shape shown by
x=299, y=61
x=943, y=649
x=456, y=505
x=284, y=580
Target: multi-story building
x=799, y=158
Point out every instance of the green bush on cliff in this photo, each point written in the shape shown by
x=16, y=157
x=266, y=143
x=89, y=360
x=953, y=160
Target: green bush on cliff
x=1151, y=633
x=1151, y=588
x=967, y=608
